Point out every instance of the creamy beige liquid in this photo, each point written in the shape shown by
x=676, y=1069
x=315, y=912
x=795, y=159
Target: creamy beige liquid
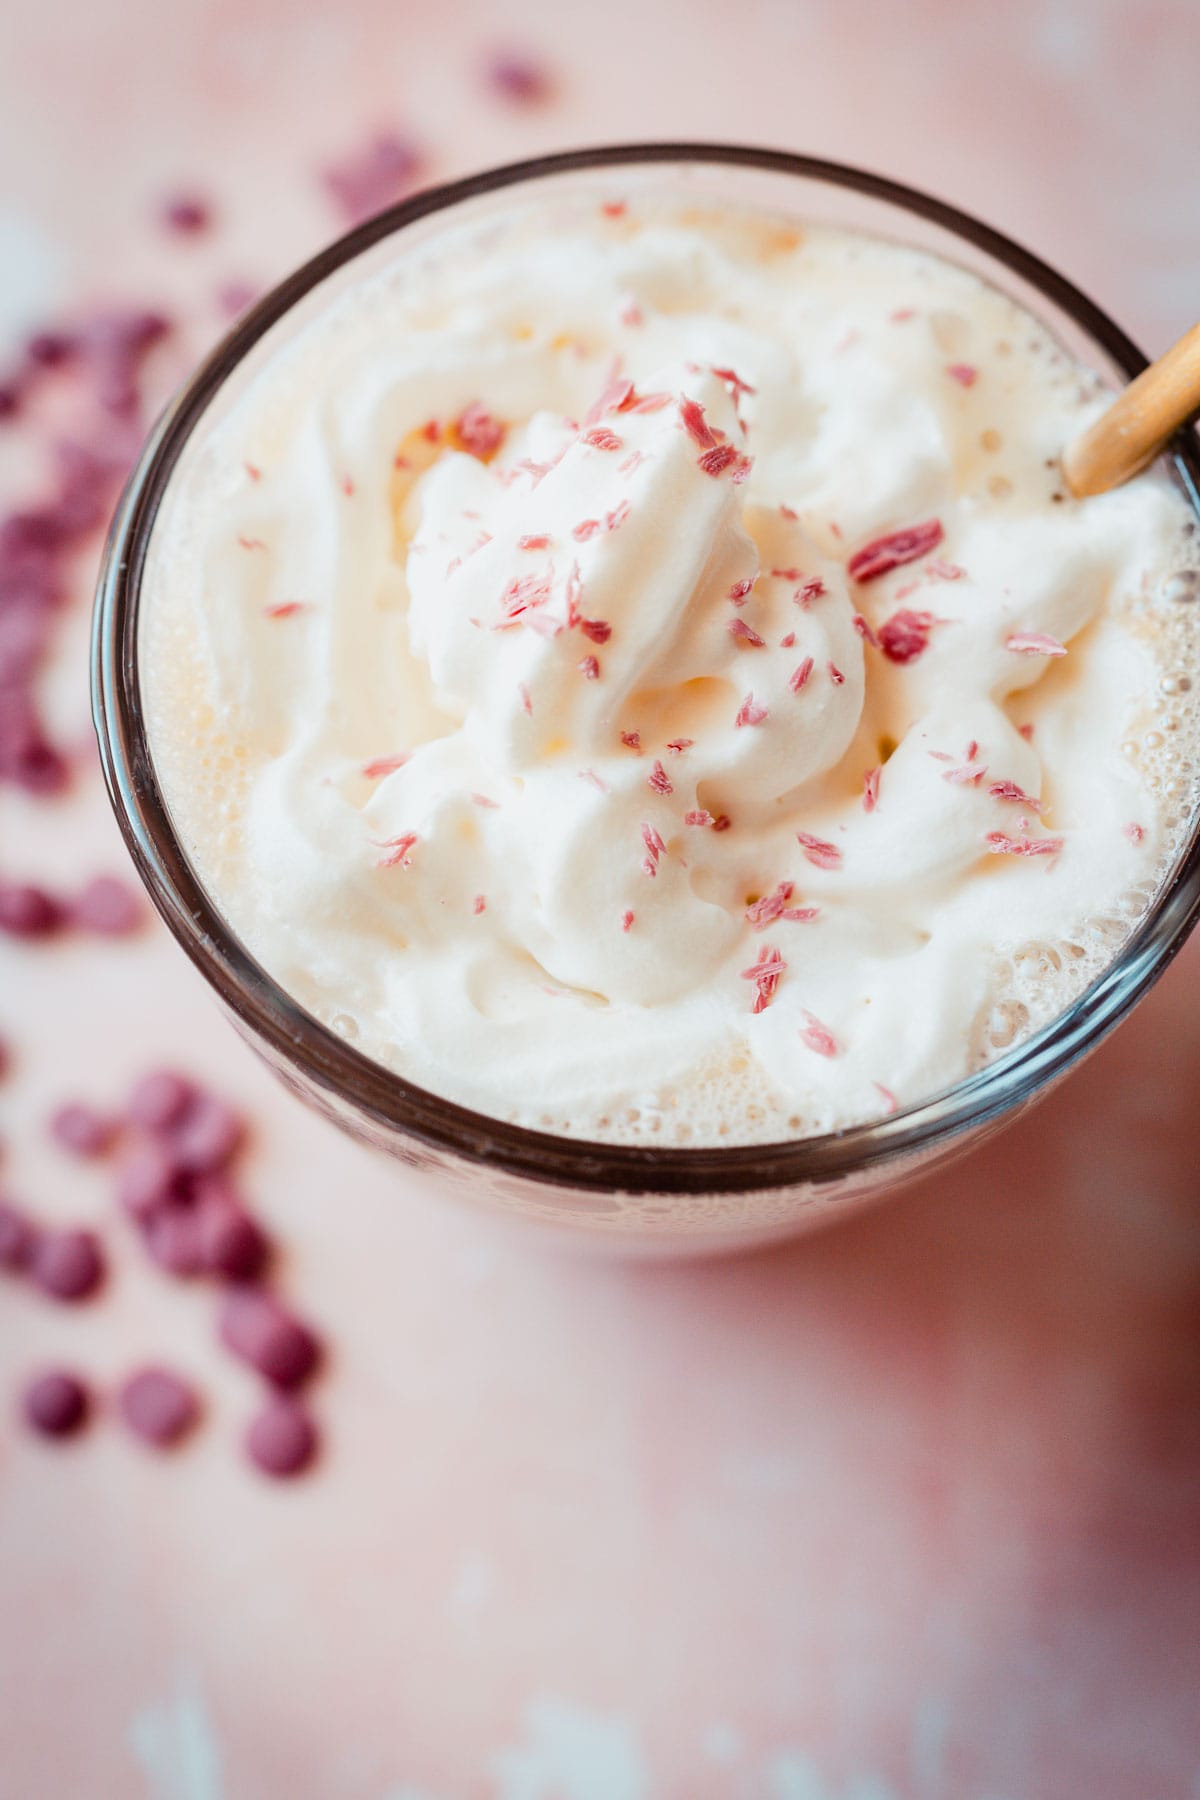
x=490, y=602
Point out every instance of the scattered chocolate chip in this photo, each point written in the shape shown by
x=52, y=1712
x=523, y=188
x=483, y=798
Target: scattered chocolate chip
x=173, y=1240
x=81, y=1130
x=27, y=911
x=518, y=78
x=233, y=297
x=232, y=1243
x=256, y=1328
x=380, y=175
x=159, y=1100
x=10, y=400
x=207, y=1135
x=158, y=1406
x=282, y=1439
x=187, y=214
x=108, y=907
x=51, y=349
x=67, y=1265
x=17, y=1237
x=55, y=1403
x=146, y=1181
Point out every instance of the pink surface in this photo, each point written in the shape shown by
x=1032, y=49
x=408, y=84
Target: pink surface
x=911, y=1510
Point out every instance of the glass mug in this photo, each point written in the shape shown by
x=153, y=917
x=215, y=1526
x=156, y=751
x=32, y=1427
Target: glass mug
x=671, y=1199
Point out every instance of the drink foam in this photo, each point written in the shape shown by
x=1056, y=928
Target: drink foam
x=310, y=611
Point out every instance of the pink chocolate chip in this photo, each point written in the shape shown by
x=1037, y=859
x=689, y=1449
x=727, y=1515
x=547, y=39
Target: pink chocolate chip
x=17, y=1237
x=187, y=214
x=207, y=1136
x=518, y=78
x=158, y=1406
x=27, y=911
x=282, y=1439
x=256, y=1328
x=159, y=1100
x=107, y=907
x=81, y=1130
x=147, y=1181
x=55, y=1403
x=232, y=1243
x=173, y=1240
x=51, y=349
x=67, y=1265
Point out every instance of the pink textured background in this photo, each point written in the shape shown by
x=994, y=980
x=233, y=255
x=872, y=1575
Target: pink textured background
x=911, y=1512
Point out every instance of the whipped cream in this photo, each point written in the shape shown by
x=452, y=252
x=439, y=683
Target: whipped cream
x=645, y=678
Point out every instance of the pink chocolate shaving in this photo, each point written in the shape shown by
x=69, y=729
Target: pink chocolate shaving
x=745, y=634
x=600, y=438
x=398, y=851
x=765, y=973
x=698, y=816
x=626, y=921
x=531, y=542
x=904, y=636
x=871, y=789
x=1008, y=790
x=479, y=905
x=379, y=766
x=696, y=425
x=522, y=595
x=481, y=434
x=659, y=780
x=966, y=374
x=764, y=912
x=965, y=774
x=632, y=740
x=798, y=679
x=816, y=1036
x=740, y=589
x=808, y=591
x=1000, y=844
x=893, y=550
x=1034, y=643
x=818, y=851
x=750, y=712
x=589, y=668
x=715, y=461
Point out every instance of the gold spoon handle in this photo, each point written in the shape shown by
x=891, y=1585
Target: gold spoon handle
x=1139, y=421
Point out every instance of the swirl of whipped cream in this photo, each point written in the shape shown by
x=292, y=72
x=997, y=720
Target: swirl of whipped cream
x=649, y=671
x=593, y=610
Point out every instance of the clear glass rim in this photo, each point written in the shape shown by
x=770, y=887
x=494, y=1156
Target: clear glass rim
x=388, y=1099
